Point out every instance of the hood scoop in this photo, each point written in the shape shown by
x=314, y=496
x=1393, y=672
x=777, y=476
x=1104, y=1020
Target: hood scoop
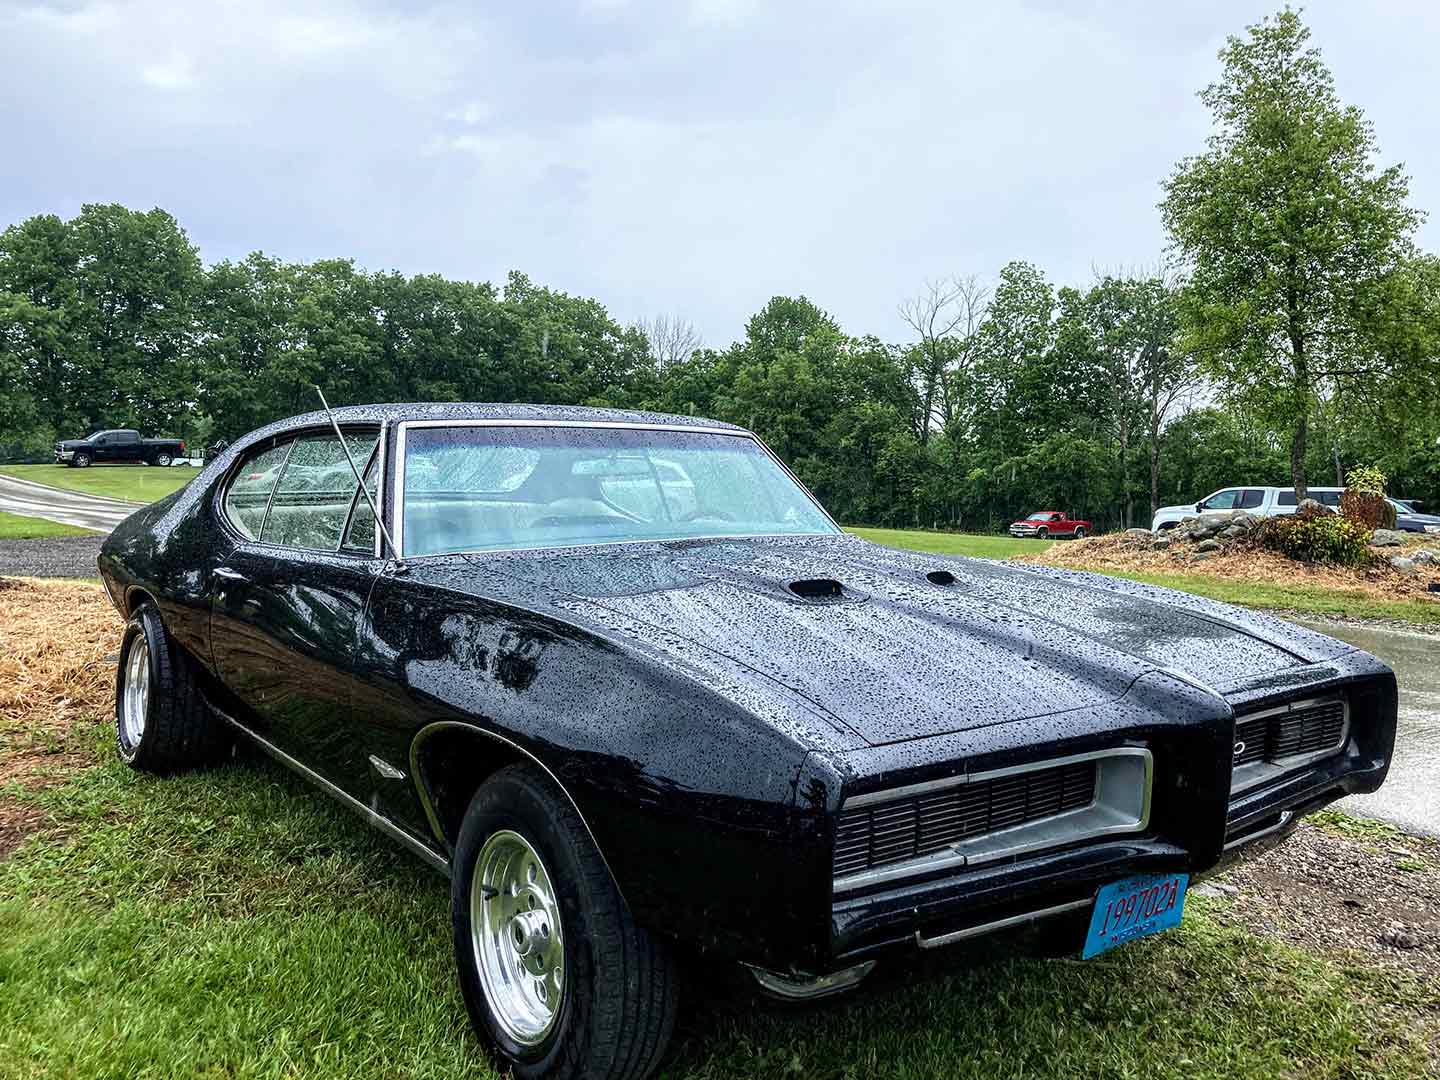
x=818, y=589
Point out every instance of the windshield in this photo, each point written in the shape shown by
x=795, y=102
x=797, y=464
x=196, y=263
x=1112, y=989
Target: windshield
x=1042, y=516
x=491, y=488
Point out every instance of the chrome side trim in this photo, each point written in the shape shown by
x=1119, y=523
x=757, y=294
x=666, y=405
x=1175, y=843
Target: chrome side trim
x=1121, y=806
x=998, y=924
x=1285, y=817
x=397, y=487
x=423, y=791
x=395, y=832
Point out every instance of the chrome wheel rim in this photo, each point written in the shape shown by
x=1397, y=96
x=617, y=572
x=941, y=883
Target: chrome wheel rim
x=517, y=935
x=136, y=699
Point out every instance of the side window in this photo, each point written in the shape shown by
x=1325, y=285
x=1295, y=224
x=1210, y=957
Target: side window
x=312, y=497
x=1330, y=498
x=1286, y=497
x=360, y=533
x=249, y=492
x=1222, y=500
x=1250, y=498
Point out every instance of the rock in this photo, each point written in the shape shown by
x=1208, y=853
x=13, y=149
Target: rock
x=1398, y=937
x=1400, y=852
x=1233, y=531
x=1201, y=556
x=1244, y=519
x=1205, y=888
x=1313, y=508
x=1387, y=538
x=1229, y=890
x=1160, y=543
x=1404, y=565
x=1138, y=534
x=1206, y=546
x=1425, y=557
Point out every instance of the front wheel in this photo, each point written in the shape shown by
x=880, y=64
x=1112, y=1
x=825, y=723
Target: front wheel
x=556, y=976
x=1042, y=533
x=80, y=460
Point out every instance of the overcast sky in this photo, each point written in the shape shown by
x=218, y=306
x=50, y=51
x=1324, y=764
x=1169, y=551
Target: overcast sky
x=688, y=157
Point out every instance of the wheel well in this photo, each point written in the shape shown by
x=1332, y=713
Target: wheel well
x=450, y=765
x=134, y=597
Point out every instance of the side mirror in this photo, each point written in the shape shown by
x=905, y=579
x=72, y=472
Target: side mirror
x=1199, y=507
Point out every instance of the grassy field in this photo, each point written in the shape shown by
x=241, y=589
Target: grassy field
x=976, y=544
x=138, y=483
x=19, y=527
x=237, y=923
x=1302, y=598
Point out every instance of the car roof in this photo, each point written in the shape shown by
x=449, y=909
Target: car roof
x=400, y=412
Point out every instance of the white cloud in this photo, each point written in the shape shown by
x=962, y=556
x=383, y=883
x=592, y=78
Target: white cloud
x=176, y=73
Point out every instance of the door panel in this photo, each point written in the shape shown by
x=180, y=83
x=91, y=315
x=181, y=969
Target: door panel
x=283, y=632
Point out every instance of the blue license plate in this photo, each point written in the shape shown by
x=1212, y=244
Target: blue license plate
x=1134, y=908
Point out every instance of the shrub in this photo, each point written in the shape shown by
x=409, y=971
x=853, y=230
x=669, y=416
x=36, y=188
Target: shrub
x=1367, y=508
x=1330, y=539
x=1367, y=479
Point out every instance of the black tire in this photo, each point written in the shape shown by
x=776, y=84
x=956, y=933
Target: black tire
x=81, y=460
x=163, y=459
x=179, y=731
x=1079, y=532
x=1042, y=533
x=617, y=1007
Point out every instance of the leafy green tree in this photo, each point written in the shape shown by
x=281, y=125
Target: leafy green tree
x=1297, y=246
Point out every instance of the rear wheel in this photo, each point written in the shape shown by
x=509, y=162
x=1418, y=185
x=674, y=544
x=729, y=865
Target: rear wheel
x=1079, y=532
x=162, y=723
x=557, y=978
x=162, y=459
x=80, y=460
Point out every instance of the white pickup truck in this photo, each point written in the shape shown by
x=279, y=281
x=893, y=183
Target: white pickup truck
x=1260, y=501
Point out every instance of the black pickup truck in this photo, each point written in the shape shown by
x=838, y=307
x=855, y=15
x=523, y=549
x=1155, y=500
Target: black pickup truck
x=118, y=445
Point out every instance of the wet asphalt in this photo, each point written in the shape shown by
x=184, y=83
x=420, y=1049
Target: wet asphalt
x=1410, y=796
x=68, y=507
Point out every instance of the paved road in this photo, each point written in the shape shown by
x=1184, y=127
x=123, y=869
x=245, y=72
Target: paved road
x=70, y=507
x=1410, y=797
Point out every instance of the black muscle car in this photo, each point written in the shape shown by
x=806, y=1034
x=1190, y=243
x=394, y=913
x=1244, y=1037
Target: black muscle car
x=625, y=682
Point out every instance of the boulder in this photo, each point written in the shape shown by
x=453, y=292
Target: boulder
x=1243, y=519
x=1231, y=532
x=1426, y=557
x=1387, y=538
x=1313, y=508
x=1404, y=565
x=1138, y=534
x=1208, y=546
x=1201, y=556
x=1160, y=543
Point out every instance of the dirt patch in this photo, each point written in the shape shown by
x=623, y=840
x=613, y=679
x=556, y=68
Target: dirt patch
x=1238, y=562
x=57, y=643
x=1374, y=893
x=17, y=821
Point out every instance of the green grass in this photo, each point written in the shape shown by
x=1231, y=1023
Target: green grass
x=986, y=546
x=1305, y=599
x=138, y=483
x=237, y=924
x=19, y=527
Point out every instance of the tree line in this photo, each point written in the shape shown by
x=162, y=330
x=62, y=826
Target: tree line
x=1294, y=334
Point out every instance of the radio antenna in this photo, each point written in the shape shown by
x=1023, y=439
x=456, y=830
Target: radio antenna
x=379, y=524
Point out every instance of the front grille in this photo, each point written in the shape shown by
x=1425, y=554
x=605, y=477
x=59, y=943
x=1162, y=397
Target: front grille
x=872, y=836
x=1311, y=728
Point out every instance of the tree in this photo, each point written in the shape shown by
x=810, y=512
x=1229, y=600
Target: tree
x=946, y=316
x=1296, y=246
x=671, y=339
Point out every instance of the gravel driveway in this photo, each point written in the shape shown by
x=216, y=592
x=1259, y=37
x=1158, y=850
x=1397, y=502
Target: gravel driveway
x=54, y=556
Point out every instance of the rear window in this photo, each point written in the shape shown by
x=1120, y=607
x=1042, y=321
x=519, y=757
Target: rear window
x=1287, y=497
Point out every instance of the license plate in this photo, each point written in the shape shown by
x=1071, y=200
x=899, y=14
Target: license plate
x=1134, y=908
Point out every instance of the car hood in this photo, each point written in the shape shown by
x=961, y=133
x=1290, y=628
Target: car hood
x=898, y=654
x=70, y=444
x=1182, y=508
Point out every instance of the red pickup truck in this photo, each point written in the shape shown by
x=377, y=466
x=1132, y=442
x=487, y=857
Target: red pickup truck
x=1045, y=524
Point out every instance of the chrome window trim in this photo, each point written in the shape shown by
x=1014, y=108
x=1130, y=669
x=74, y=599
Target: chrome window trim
x=397, y=486
x=1255, y=774
x=1029, y=837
